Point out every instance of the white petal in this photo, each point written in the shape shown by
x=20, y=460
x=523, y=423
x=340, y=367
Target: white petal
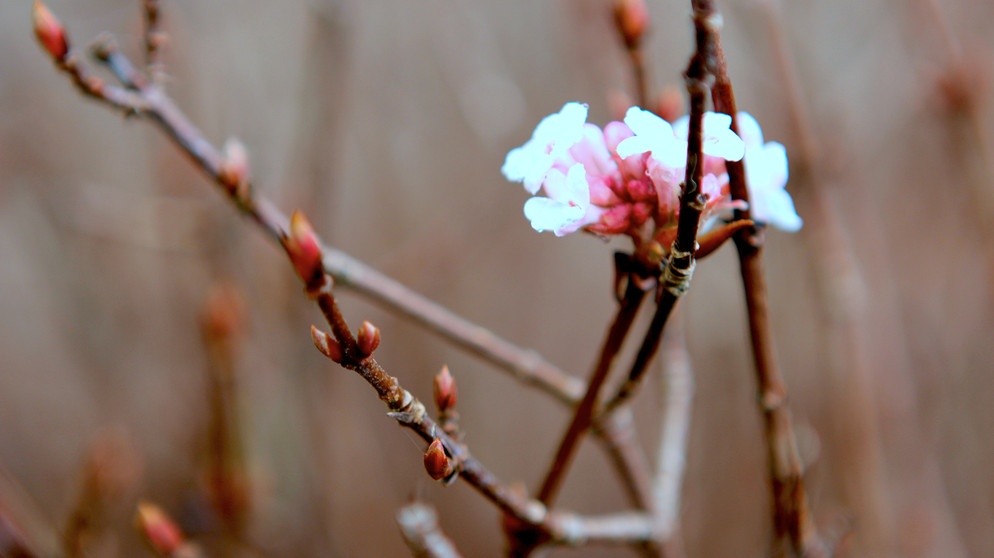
x=549, y=215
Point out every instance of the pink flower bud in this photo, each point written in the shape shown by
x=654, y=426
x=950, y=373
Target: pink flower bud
x=367, y=339
x=304, y=251
x=437, y=463
x=631, y=17
x=444, y=390
x=158, y=529
x=49, y=31
x=326, y=344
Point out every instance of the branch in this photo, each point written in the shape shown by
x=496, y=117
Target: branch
x=582, y=417
x=144, y=98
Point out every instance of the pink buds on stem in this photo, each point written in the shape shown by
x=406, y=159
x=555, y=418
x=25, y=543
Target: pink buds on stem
x=304, y=250
x=437, y=463
x=50, y=32
x=327, y=345
x=367, y=339
x=444, y=390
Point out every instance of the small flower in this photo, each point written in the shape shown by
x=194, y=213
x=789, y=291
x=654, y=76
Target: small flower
x=766, y=177
x=567, y=206
x=553, y=136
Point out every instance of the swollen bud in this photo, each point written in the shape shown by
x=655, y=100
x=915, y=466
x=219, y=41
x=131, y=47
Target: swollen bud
x=158, y=530
x=632, y=18
x=367, y=339
x=49, y=31
x=304, y=251
x=444, y=390
x=234, y=171
x=327, y=345
x=438, y=465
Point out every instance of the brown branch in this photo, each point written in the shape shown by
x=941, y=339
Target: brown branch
x=679, y=268
x=144, y=97
x=147, y=99
x=794, y=529
x=582, y=416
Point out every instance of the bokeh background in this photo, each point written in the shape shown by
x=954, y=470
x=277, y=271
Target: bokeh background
x=388, y=122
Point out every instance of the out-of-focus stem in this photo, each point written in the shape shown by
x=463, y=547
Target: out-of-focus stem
x=583, y=415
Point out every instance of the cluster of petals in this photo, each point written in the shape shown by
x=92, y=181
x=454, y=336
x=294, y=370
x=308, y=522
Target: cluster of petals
x=626, y=177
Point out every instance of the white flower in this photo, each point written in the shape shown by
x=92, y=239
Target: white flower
x=567, y=207
x=655, y=135
x=766, y=177
x=719, y=140
x=550, y=141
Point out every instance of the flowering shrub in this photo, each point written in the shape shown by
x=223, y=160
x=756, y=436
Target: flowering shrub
x=625, y=179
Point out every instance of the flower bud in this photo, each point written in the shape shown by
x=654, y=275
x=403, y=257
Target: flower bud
x=158, y=529
x=631, y=17
x=437, y=463
x=304, y=250
x=367, y=339
x=327, y=345
x=234, y=171
x=49, y=31
x=669, y=103
x=444, y=390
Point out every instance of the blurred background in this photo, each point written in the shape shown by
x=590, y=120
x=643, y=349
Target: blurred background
x=140, y=315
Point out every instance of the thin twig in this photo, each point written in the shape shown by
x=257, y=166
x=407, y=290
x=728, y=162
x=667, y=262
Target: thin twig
x=148, y=99
x=153, y=39
x=582, y=416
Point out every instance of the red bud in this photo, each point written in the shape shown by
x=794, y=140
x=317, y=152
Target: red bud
x=437, y=463
x=367, y=339
x=49, y=31
x=444, y=390
x=304, y=250
x=326, y=344
x=158, y=529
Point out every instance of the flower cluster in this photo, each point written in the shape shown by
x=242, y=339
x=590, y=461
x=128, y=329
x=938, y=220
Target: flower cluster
x=625, y=179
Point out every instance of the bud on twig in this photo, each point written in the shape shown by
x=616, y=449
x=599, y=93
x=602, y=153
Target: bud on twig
x=234, y=171
x=304, y=251
x=159, y=531
x=50, y=32
x=367, y=339
x=632, y=18
x=327, y=345
x=444, y=390
x=437, y=463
